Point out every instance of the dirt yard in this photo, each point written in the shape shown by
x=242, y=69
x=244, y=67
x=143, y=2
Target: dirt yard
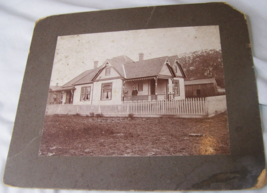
x=74, y=135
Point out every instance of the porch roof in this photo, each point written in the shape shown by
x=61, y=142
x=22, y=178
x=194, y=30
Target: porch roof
x=137, y=79
x=60, y=88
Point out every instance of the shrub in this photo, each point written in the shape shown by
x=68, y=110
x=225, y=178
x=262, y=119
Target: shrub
x=92, y=114
x=131, y=115
x=98, y=115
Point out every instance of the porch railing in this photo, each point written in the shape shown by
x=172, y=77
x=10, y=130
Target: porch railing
x=136, y=98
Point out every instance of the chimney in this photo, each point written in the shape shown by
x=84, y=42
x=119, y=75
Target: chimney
x=141, y=56
x=95, y=64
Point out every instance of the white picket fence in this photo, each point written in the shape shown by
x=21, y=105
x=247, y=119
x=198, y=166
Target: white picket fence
x=190, y=106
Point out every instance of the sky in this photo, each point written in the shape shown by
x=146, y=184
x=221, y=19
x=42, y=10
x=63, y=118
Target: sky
x=76, y=53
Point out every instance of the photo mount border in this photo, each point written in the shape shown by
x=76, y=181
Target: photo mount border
x=240, y=170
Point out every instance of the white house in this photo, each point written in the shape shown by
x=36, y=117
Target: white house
x=153, y=87
x=121, y=79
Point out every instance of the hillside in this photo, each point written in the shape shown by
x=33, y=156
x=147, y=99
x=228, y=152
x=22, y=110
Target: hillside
x=203, y=64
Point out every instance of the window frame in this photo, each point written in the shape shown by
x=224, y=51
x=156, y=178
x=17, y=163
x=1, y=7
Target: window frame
x=102, y=87
x=178, y=88
x=85, y=88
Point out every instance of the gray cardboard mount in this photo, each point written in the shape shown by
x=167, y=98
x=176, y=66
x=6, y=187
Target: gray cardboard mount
x=243, y=169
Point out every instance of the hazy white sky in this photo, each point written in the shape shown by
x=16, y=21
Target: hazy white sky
x=77, y=53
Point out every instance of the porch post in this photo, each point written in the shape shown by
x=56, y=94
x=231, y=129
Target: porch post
x=122, y=92
x=64, y=97
x=156, y=84
x=149, y=90
x=170, y=85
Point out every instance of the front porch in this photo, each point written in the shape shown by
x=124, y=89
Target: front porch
x=153, y=89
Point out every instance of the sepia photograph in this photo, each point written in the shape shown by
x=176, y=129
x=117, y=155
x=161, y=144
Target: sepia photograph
x=148, y=92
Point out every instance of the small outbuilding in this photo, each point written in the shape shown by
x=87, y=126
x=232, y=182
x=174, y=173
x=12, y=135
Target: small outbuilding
x=200, y=88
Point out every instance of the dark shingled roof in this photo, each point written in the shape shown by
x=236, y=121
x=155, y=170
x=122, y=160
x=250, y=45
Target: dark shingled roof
x=172, y=59
x=88, y=77
x=144, y=68
x=71, y=82
x=117, y=63
x=200, y=81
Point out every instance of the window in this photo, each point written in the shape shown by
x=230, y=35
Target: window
x=197, y=92
x=57, y=98
x=85, y=93
x=140, y=86
x=176, y=88
x=106, y=91
x=107, y=73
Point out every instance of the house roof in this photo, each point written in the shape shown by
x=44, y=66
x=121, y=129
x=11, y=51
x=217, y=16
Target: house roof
x=172, y=62
x=172, y=59
x=127, y=68
x=144, y=68
x=118, y=62
x=88, y=77
x=200, y=81
x=80, y=76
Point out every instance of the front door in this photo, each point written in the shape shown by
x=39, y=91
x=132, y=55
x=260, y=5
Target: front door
x=152, y=87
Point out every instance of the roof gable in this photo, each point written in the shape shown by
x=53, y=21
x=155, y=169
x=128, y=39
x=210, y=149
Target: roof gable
x=176, y=66
x=172, y=59
x=165, y=70
x=118, y=62
x=177, y=70
x=106, y=73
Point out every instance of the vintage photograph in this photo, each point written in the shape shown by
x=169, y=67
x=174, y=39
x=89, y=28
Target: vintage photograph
x=149, y=92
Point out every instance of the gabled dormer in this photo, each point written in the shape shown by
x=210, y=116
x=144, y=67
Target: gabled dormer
x=178, y=70
x=107, y=72
x=166, y=69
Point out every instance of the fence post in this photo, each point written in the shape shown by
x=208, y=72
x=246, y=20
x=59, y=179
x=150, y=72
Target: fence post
x=206, y=106
x=197, y=109
x=194, y=105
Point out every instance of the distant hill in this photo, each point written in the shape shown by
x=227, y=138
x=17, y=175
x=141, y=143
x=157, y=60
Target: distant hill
x=203, y=64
